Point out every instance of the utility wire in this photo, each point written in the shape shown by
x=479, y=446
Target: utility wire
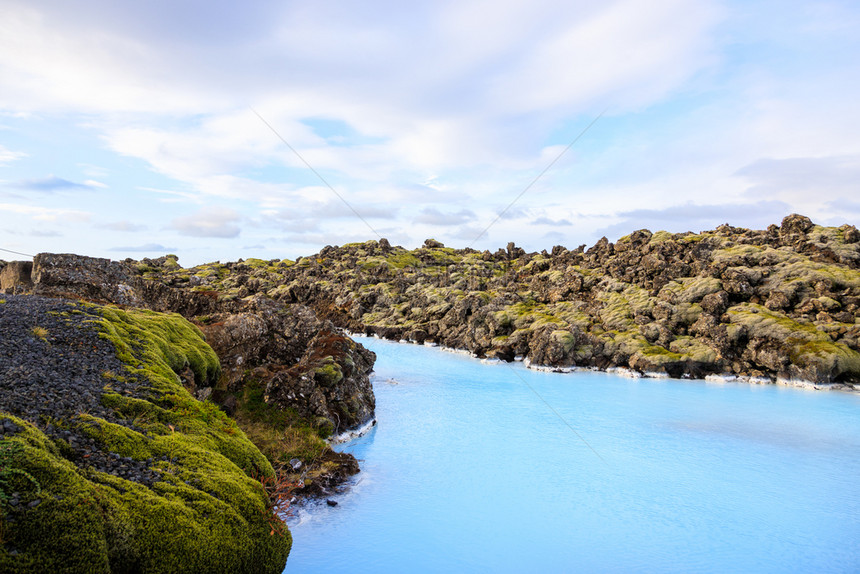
x=540, y=175
x=517, y=198
x=498, y=217
x=321, y=178
x=16, y=252
x=556, y=413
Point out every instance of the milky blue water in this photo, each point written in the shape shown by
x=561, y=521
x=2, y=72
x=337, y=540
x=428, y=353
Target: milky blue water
x=469, y=471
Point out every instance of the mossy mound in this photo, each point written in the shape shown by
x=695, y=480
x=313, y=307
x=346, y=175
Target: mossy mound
x=208, y=512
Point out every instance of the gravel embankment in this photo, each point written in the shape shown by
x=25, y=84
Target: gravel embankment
x=51, y=369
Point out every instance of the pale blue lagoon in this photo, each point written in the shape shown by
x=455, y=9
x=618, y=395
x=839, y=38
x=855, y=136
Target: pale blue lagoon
x=469, y=471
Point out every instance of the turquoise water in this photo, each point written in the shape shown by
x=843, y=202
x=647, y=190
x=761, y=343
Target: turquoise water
x=469, y=471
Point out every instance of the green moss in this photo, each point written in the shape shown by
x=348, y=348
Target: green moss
x=807, y=346
x=12, y=478
x=737, y=255
x=207, y=513
x=833, y=238
x=504, y=318
x=660, y=237
x=827, y=357
x=329, y=373
x=91, y=522
x=402, y=259
x=762, y=322
x=40, y=333
x=171, y=262
x=281, y=434
x=690, y=289
x=687, y=313
x=655, y=354
x=692, y=238
x=569, y=313
x=444, y=256
x=144, y=269
x=617, y=313
x=811, y=272
x=566, y=339
x=214, y=271
x=553, y=276
x=632, y=343
x=370, y=264
x=529, y=315
x=161, y=344
x=255, y=263
x=523, y=308
x=693, y=349
x=116, y=438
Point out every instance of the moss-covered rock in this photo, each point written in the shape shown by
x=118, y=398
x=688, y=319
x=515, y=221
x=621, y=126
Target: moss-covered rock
x=208, y=512
x=647, y=301
x=811, y=353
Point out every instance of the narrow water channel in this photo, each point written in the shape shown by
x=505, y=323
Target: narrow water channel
x=469, y=471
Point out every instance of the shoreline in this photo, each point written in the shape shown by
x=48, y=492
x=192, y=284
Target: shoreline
x=352, y=434
x=626, y=372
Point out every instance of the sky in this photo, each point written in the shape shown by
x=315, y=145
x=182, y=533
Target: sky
x=223, y=130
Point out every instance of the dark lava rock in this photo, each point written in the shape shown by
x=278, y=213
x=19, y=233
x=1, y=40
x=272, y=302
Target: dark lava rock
x=795, y=223
x=52, y=365
x=287, y=346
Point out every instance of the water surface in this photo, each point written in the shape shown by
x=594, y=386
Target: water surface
x=469, y=470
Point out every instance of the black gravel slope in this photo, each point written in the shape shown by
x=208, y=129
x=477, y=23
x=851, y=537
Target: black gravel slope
x=48, y=380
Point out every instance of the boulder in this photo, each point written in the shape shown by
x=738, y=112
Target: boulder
x=796, y=224
x=15, y=277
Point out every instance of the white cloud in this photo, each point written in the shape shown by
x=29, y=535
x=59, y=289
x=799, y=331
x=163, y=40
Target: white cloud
x=470, y=233
x=93, y=170
x=8, y=156
x=697, y=217
x=173, y=196
x=217, y=222
x=626, y=54
x=812, y=184
x=47, y=214
x=448, y=107
x=552, y=222
x=432, y=216
x=146, y=248
x=433, y=87
x=315, y=212
x=124, y=226
x=52, y=183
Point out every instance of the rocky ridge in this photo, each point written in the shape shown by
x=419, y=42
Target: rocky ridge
x=107, y=464
x=275, y=357
x=779, y=304
x=254, y=337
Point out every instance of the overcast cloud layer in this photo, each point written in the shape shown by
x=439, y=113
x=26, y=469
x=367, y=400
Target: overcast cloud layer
x=126, y=127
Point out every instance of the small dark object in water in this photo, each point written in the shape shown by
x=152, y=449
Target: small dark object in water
x=331, y=502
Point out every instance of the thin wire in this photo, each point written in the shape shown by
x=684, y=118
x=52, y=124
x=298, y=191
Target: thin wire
x=321, y=178
x=498, y=217
x=16, y=252
x=540, y=175
x=556, y=413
